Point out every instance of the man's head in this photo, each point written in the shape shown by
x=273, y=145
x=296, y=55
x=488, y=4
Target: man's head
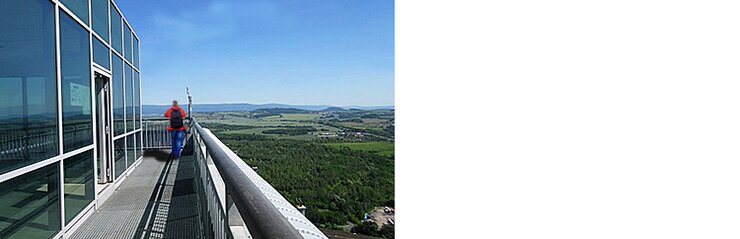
x=174, y=103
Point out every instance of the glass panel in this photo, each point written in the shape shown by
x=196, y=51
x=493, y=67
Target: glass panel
x=115, y=29
x=139, y=150
x=136, y=52
x=76, y=99
x=79, y=186
x=29, y=204
x=129, y=99
x=117, y=83
x=137, y=101
x=78, y=7
x=100, y=18
x=127, y=42
x=119, y=151
x=130, y=150
x=101, y=54
x=28, y=93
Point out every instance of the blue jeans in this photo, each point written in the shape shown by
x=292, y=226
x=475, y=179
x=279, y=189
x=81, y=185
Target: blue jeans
x=176, y=142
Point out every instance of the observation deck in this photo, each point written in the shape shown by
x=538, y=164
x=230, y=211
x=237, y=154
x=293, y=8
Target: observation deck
x=209, y=192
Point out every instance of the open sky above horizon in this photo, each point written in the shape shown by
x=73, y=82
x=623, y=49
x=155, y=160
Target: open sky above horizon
x=332, y=52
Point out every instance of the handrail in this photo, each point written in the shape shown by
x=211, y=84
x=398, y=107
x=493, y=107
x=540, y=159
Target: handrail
x=261, y=217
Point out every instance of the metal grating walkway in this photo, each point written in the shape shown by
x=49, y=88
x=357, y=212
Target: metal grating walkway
x=157, y=200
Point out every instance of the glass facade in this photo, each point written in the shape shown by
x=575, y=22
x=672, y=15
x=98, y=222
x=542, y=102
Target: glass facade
x=127, y=42
x=117, y=87
x=76, y=97
x=79, y=184
x=119, y=156
x=137, y=101
x=79, y=8
x=115, y=29
x=139, y=147
x=129, y=92
x=28, y=93
x=101, y=54
x=130, y=150
x=46, y=145
x=100, y=18
x=29, y=204
x=136, y=52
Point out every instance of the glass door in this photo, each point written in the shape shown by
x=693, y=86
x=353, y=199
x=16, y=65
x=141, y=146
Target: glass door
x=104, y=137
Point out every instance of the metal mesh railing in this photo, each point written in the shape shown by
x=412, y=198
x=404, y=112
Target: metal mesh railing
x=214, y=212
x=155, y=134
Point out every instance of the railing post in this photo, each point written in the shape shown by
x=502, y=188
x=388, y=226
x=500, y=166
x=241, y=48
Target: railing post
x=235, y=221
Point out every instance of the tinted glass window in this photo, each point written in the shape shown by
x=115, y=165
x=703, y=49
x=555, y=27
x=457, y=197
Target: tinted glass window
x=136, y=53
x=28, y=95
x=78, y=7
x=119, y=156
x=29, y=205
x=76, y=99
x=79, y=186
x=115, y=29
x=101, y=54
x=137, y=101
x=100, y=18
x=117, y=83
x=130, y=150
x=127, y=43
x=139, y=149
x=129, y=99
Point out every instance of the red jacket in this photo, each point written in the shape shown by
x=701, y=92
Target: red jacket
x=167, y=114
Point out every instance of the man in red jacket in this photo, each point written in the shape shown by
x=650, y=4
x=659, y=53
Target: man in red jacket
x=176, y=127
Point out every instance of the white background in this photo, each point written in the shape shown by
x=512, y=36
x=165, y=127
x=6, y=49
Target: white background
x=568, y=119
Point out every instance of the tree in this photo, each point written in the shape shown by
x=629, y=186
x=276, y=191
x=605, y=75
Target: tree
x=388, y=231
x=367, y=228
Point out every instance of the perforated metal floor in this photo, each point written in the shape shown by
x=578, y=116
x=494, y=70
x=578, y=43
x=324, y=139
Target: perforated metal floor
x=156, y=201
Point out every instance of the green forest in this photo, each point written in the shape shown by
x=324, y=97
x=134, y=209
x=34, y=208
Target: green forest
x=336, y=184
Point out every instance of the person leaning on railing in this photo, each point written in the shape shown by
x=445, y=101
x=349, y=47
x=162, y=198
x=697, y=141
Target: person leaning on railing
x=176, y=127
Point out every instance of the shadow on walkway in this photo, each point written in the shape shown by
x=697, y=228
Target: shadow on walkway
x=172, y=211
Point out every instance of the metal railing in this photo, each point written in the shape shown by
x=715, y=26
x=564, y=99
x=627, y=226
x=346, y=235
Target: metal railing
x=235, y=201
x=239, y=202
x=155, y=134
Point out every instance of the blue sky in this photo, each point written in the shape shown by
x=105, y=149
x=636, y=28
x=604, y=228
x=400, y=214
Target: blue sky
x=336, y=52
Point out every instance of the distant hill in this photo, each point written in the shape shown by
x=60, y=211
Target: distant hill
x=281, y=110
x=159, y=109
x=335, y=109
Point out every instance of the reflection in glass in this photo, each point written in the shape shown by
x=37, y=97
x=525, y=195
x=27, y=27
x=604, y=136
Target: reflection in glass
x=136, y=52
x=100, y=18
x=28, y=95
x=79, y=186
x=79, y=8
x=129, y=98
x=127, y=42
x=117, y=83
x=130, y=150
x=137, y=101
x=101, y=54
x=139, y=150
x=119, y=156
x=29, y=204
x=115, y=29
x=76, y=98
